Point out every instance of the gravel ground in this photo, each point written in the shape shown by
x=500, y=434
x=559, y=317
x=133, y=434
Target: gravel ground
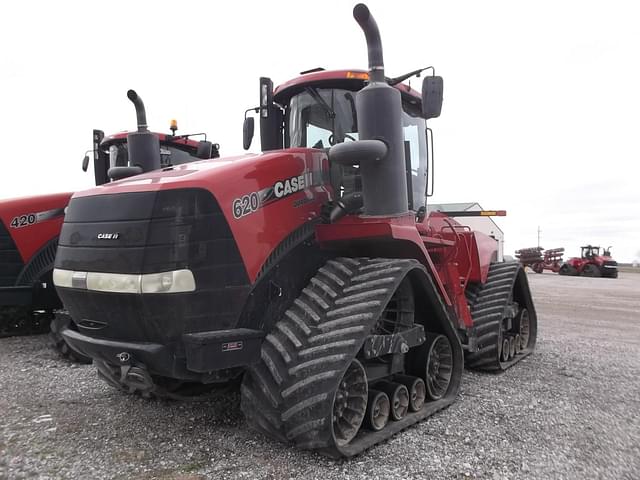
x=571, y=410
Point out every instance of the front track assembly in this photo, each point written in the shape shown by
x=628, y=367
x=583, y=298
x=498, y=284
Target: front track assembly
x=504, y=318
x=353, y=361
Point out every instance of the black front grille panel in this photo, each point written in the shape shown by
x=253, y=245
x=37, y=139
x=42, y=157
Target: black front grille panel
x=182, y=229
x=10, y=260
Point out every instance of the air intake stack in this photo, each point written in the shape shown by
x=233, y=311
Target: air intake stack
x=379, y=111
x=144, y=146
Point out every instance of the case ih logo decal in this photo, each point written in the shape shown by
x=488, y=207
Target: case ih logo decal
x=108, y=236
x=253, y=201
x=32, y=218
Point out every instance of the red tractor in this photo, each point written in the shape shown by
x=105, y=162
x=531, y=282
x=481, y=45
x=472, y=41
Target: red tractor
x=591, y=263
x=310, y=273
x=30, y=227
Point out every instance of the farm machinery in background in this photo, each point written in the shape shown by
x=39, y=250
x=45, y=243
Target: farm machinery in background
x=591, y=263
x=539, y=259
x=30, y=228
x=311, y=273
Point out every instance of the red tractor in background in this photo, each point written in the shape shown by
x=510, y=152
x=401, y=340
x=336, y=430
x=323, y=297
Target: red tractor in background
x=30, y=227
x=591, y=263
x=310, y=273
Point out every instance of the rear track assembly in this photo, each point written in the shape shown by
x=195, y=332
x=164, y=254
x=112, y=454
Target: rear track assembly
x=506, y=330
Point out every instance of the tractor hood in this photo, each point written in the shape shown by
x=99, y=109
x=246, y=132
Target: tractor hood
x=261, y=197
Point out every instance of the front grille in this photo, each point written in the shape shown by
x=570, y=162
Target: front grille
x=156, y=232
x=10, y=260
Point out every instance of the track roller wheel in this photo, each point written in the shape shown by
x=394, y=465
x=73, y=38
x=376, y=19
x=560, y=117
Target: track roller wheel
x=504, y=354
x=398, y=398
x=524, y=327
x=417, y=391
x=591, y=270
x=349, y=404
x=518, y=342
x=378, y=410
x=512, y=347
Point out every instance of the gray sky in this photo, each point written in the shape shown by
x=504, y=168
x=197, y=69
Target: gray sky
x=541, y=110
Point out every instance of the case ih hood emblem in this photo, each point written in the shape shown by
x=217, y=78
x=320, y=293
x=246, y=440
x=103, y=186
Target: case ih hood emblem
x=108, y=236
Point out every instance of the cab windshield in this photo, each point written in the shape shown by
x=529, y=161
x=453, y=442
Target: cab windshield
x=323, y=117
x=169, y=155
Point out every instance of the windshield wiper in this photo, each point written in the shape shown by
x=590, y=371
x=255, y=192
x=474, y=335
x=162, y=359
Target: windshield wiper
x=320, y=101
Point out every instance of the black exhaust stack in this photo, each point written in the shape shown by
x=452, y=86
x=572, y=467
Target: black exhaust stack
x=143, y=146
x=379, y=112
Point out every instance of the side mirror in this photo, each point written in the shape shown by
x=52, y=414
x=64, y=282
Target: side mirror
x=85, y=163
x=431, y=97
x=204, y=150
x=247, y=132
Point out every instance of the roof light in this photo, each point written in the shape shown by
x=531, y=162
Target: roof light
x=358, y=75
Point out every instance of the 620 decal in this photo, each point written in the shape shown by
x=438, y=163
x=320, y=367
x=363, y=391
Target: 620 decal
x=246, y=204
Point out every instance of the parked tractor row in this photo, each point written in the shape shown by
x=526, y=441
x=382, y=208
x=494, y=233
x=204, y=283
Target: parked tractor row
x=310, y=274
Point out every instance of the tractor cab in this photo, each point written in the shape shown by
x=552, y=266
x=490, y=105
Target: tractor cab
x=318, y=110
x=590, y=251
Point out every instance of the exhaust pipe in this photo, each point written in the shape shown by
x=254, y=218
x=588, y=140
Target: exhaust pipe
x=379, y=112
x=143, y=146
x=374, y=44
x=141, y=113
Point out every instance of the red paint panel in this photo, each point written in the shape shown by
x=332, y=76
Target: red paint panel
x=30, y=238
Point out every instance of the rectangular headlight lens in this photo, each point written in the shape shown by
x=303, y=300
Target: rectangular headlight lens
x=62, y=278
x=168, y=282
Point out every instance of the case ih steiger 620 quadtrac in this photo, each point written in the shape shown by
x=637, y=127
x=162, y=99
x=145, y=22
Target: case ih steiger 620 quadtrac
x=310, y=273
x=30, y=227
x=591, y=263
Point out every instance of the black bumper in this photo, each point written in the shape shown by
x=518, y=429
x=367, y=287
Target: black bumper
x=16, y=296
x=198, y=355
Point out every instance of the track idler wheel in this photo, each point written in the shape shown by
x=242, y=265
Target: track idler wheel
x=398, y=397
x=378, y=411
x=350, y=404
x=417, y=391
x=439, y=366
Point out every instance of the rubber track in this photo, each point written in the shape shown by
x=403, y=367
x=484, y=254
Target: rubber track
x=487, y=311
x=289, y=394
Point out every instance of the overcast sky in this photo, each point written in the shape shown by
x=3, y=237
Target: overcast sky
x=540, y=117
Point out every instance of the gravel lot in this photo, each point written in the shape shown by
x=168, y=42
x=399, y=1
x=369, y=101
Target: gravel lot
x=571, y=410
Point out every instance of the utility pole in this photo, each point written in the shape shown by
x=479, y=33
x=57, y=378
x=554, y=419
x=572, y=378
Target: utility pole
x=539, y=236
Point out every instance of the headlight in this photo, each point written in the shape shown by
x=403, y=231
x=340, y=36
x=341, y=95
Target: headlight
x=168, y=282
x=176, y=281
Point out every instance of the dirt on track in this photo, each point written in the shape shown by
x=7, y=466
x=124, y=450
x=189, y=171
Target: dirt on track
x=570, y=410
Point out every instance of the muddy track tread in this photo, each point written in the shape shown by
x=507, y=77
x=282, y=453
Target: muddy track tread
x=292, y=400
x=487, y=313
